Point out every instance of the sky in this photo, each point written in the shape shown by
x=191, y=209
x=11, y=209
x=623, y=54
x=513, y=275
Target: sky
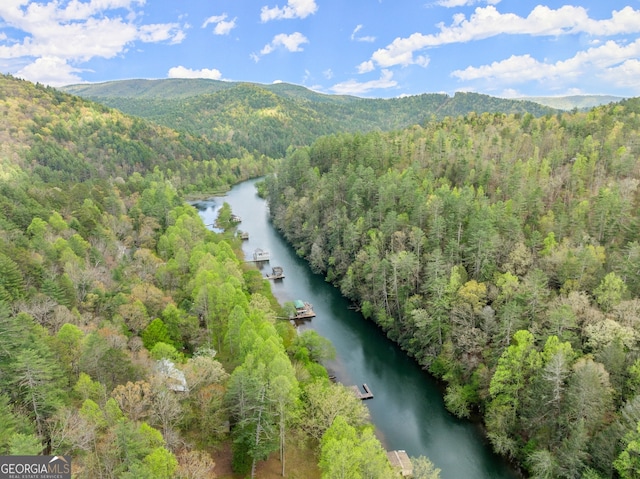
x=366, y=48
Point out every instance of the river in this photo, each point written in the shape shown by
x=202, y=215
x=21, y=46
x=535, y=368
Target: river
x=407, y=409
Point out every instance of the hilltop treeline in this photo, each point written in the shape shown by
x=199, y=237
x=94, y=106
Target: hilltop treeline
x=268, y=119
x=59, y=137
x=131, y=337
x=501, y=251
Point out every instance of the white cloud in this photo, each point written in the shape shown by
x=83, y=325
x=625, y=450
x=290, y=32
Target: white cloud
x=614, y=62
x=366, y=67
x=182, y=72
x=293, y=9
x=222, y=25
x=355, y=38
x=624, y=75
x=56, y=37
x=353, y=87
x=50, y=71
x=328, y=74
x=487, y=22
x=289, y=42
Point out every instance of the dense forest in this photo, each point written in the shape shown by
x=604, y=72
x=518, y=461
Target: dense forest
x=134, y=339
x=268, y=119
x=501, y=251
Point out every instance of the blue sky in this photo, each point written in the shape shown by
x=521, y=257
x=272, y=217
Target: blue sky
x=368, y=48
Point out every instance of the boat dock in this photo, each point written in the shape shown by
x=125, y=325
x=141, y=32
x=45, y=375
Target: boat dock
x=401, y=462
x=276, y=273
x=260, y=255
x=360, y=395
x=303, y=310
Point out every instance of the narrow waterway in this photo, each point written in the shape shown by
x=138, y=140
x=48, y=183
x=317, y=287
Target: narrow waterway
x=407, y=408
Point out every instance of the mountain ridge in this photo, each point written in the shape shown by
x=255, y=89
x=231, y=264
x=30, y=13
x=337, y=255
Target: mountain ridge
x=267, y=119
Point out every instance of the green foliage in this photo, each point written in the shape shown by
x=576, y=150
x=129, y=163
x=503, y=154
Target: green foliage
x=457, y=238
x=423, y=468
x=155, y=333
x=349, y=454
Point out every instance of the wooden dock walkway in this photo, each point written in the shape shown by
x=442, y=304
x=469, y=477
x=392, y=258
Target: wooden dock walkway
x=360, y=395
x=401, y=462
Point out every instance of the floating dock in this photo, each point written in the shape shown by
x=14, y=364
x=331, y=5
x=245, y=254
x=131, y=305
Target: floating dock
x=276, y=273
x=360, y=395
x=303, y=310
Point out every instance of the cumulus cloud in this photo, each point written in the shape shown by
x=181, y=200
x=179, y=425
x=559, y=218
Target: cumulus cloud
x=50, y=71
x=182, y=72
x=288, y=42
x=624, y=75
x=222, y=25
x=56, y=37
x=488, y=22
x=293, y=9
x=612, y=61
x=353, y=87
x=357, y=38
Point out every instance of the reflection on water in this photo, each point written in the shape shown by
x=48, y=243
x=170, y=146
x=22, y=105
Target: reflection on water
x=407, y=408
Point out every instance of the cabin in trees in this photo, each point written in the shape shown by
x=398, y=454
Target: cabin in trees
x=173, y=378
x=235, y=219
x=260, y=255
x=243, y=235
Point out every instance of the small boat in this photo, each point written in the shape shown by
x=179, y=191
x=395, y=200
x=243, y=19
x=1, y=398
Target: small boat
x=243, y=235
x=260, y=255
x=304, y=310
x=276, y=273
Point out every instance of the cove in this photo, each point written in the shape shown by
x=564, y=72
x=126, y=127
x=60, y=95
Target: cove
x=407, y=409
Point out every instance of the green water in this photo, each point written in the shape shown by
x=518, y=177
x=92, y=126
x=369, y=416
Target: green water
x=407, y=408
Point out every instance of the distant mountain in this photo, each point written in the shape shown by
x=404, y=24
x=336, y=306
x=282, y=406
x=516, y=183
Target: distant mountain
x=568, y=103
x=267, y=119
x=60, y=137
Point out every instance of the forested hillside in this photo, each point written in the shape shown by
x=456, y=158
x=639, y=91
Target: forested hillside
x=131, y=337
x=267, y=119
x=502, y=252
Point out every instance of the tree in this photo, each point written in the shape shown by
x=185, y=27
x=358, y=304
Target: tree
x=195, y=465
x=628, y=462
x=515, y=368
x=134, y=399
x=346, y=453
x=37, y=381
x=155, y=332
x=423, y=468
x=610, y=291
x=323, y=401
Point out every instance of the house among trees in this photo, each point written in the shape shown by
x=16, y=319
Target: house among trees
x=174, y=378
